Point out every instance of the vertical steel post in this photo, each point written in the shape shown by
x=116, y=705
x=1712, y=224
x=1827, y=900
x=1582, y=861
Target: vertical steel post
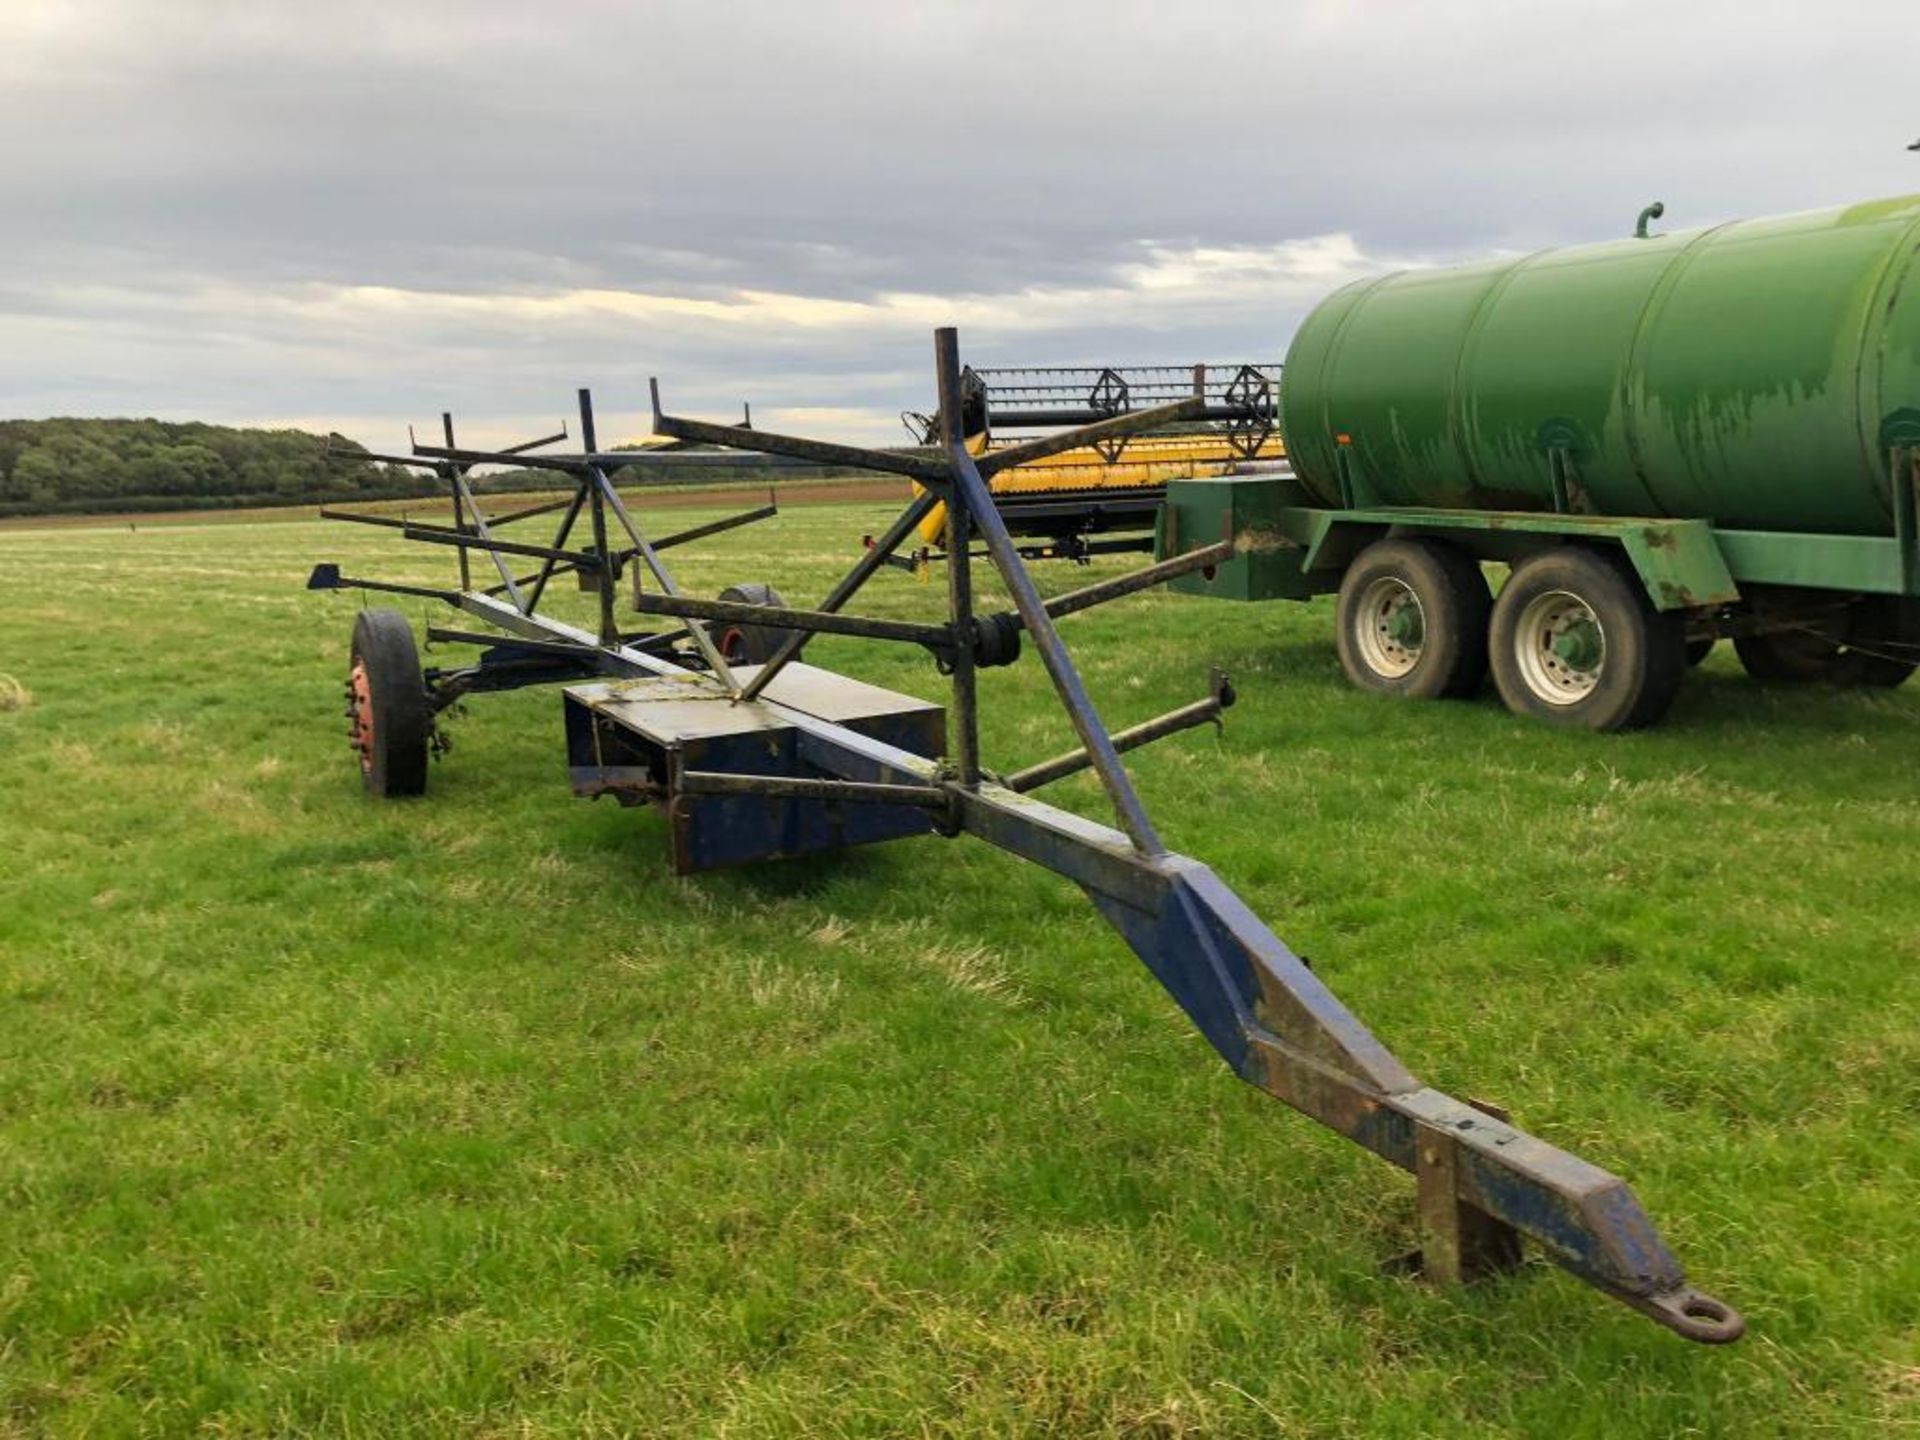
x=1343, y=467
x=459, y=504
x=970, y=490
x=609, y=582
x=966, y=706
x=1559, y=481
x=1458, y=1242
x=1906, y=515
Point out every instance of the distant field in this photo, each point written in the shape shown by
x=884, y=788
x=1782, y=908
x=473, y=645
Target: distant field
x=789, y=491
x=463, y=1117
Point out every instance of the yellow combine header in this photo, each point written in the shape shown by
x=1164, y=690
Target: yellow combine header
x=1114, y=490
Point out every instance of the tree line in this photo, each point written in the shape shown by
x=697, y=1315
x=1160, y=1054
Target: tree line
x=70, y=466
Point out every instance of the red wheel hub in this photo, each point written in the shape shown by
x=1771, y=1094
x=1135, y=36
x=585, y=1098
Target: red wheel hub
x=360, y=713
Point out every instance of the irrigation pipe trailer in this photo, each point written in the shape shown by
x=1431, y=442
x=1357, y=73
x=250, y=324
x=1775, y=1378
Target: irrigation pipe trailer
x=762, y=760
x=1670, y=439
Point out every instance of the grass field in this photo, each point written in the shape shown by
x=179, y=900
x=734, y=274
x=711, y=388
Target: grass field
x=461, y=1116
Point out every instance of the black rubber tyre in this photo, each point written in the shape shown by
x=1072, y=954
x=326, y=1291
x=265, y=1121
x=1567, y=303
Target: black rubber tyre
x=1882, y=633
x=1794, y=657
x=1411, y=620
x=1859, y=647
x=1883, y=672
x=389, y=715
x=1576, y=642
x=749, y=644
x=1698, y=650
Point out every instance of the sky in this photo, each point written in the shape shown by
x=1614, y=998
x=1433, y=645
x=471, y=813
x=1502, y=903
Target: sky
x=352, y=215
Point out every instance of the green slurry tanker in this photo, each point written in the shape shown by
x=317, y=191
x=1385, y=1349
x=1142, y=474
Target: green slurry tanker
x=1670, y=440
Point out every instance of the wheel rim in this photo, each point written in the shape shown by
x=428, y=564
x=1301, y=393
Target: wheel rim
x=360, y=714
x=1560, y=647
x=1390, y=627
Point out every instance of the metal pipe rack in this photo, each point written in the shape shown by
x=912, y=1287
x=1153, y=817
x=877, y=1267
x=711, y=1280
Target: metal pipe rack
x=753, y=763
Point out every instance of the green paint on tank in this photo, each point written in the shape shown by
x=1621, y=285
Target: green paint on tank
x=1753, y=374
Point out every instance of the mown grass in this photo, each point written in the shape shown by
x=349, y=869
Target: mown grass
x=462, y=1116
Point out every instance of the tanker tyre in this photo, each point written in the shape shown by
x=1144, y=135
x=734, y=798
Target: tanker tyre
x=1792, y=658
x=1886, y=633
x=749, y=644
x=1411, y=619
x=1576, y=642
x=389, y=713
x=1863, y=648
x=1885, y=673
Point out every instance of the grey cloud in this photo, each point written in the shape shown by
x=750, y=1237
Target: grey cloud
x=174, y=172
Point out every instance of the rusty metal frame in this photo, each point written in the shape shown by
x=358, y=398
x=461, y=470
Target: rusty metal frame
x=1481, y=1183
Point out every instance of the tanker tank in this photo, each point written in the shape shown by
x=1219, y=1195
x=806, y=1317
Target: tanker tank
x=1668, y=439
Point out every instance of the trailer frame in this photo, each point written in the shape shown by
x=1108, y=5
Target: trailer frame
x=815, y=768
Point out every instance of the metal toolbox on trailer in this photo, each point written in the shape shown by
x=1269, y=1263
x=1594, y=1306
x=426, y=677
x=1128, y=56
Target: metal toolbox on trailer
x=637, y=739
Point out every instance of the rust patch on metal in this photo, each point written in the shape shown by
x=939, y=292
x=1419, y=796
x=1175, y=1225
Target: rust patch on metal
x=360, y=714
x=1678, y=597
x=1261, y=540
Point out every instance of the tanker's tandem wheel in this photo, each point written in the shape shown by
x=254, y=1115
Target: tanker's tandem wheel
x=750, y=644
x=1576, y=642
x=1412, y=618
x=389, y=714
x=1846, y=647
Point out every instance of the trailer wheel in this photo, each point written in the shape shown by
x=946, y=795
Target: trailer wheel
x=1576, y=642
x=1411, y=620
x=1884, y=634
x=389, y=716
x=1850, y=650
x=1883, y=672
x=1812, y=656
x=749, y=644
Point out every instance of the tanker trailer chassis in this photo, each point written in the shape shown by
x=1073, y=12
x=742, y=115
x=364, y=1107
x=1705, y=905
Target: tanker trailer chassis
x=1415, y=617
x=1669, y=438
x=755, y=761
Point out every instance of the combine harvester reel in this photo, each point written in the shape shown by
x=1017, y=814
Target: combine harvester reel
x=1105, y=496
x=753, y=761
